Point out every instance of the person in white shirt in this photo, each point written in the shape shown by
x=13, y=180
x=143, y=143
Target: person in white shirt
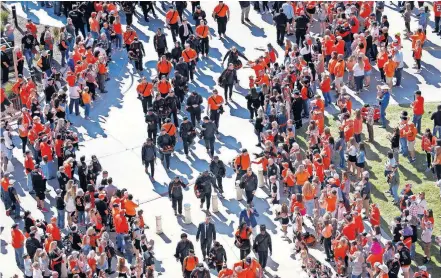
x=422, y=204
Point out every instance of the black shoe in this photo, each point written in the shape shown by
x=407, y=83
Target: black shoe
x=247, y=19
x=434, y=31
x=243, y=22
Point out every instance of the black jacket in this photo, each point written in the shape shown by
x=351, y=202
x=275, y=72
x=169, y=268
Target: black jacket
x=181, y=30
x=161, y=108
x=206, y=233
x=173, y=102
x=250, y=182
x=32, y=244
x=218, y=254
x=182, y=68
x=281, y=20
x=152, y=121
x=148, y=153
x=182, y=248
x=77, y=18
x=185, y=128
x=164, y=140
x=405, y=256
x=194, y=100
x=196, y=16
x=263, y=242
x=159, y=42
x=229, y=77
x=175, y=189
x=62, y=180
x=209, y=130
x=218, y=169
x=204, y=183
x=176, y=53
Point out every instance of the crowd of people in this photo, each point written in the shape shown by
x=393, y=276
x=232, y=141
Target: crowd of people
x=323, y=185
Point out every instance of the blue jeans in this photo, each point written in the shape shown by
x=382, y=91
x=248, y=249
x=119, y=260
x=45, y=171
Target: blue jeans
x=75, y=102
x=394, y=189
x=327, y=97
x=52, y=169
x=95, y=35
x=71, y=44
x=86, y=109
x=355, y=276
x=60, y=218
x=342, y=158
x=19, y=252
x=383, y=116
x=29, y=182
x=306, y=107
x=57, y=7
x=27, y=52
x=120, y=241
x=45, y=169
x=118, y=40
x=437, y=131
x=81, y=219
x=398, y=74
x=16, y=210
x=309, y=207
x=403, y=146
x=359, y=83
x=412, y=250
x=348, y=50
x=5, y=198
x=417, y=122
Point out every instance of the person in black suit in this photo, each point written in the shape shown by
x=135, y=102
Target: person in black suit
x=207, y=233
x=184, y=31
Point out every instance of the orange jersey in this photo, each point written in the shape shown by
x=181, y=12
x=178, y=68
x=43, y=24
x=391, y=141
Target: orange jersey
x=172, y=17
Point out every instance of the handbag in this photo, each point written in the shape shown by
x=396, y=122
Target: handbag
x=221, y=108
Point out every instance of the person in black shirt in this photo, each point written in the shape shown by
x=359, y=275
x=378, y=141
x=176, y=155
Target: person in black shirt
x=301, y=27
x=6, y=63
x=77, y=20
x=199, y=15
x=160, y=43
x=75, y=238
x=60, y=205
x=146, y=7
x=436, y=118
x=28, y=42
x=280, y=20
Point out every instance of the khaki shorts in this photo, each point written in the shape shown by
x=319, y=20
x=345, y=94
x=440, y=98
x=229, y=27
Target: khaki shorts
x=389, y=79
x=411, y=145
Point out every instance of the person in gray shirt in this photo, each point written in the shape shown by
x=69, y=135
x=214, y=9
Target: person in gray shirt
x=110, y=188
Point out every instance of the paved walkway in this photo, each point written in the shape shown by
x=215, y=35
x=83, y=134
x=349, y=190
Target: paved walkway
x=117, y=130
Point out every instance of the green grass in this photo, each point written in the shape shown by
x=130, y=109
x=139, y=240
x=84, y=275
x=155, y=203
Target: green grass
x=409, y=173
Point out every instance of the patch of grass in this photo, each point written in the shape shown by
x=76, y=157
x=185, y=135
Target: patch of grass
x=413, y=173
x=4, y=17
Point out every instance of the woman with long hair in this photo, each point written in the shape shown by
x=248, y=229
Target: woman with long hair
x=121, y=269
x=69, y=199
x=361, y=158
x=352, y=149
x=309, y=192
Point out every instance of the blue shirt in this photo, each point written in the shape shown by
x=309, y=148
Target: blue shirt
x=288, y=10
x=361, y=157
x=250, y=220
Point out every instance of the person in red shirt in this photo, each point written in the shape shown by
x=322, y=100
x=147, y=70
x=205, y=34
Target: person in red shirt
x=417, y=53
x=172, y=20
x=418, y=110
x=18, y=240
x=437, y=15
x=29, y=166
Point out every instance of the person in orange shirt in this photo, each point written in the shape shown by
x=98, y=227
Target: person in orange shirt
x=190, y=57
x=128, y=37
x=145, y=90
x=241, y=163
x=389, y=71
x=214, y=107
x=331, y=202
x=102, y=74
x=301, y=176
x=164, y=86
x=221, y=14
x=339, y=71
x=164, y=67
x=325, y=87
x=358, y=125
x=203, y=33
x=225, y=272
x=411, y=136
x=54, y=230
x=18, y=240
x=418, y=110
x=86, y=96
x=381, y=60
x=94, y=25
x=130, y=207
x=417, y=53
x=172, y=20
x=117, y=29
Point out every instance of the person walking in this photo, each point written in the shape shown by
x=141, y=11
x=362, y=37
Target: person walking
x=185, y=30
x=227, y=80
x=175, y=194
x=207, y=234
x=203, y=186
x=208, y=133
x=221, y=15
x=249, y=182
x=160, y=43
x=245, y=11
x=436, y=118
x=281, y=21
x=418, y=110
x=193, y=106
x=148, y=156
x=172, y=21
x=262, y=244
x=183, y=248
x=242, y=239
x=204, y=35
x=217, y=167
x=189, y=264
x=166, y=148
x=249, y=215
x=187, y=133
x=215, y=108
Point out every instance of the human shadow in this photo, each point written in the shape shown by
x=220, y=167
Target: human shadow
x=232, y=206
x=431, y=74
x=221, y=227
x=181, y=167
x=165, y=238
x=190, y=229
x=238, y=111
x=229, y=43
x=255, y=30
x=433, y=49
x=230, y=142
x=198, y=164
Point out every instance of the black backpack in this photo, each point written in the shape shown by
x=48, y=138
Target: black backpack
x=310, y=93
